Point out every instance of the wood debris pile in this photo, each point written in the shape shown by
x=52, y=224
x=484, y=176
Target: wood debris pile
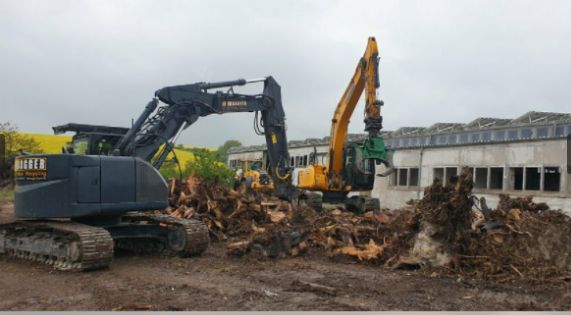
x=369, y=237
x=519, y=238
x=250, y=222
x=448, y=227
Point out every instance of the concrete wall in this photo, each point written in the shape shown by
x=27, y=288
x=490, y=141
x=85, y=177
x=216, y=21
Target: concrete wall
x=542, y=153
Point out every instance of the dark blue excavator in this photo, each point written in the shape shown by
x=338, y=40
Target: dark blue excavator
x=74, y=210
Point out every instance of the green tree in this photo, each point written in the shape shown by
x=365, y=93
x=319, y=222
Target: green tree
x=16, y=142
x=223, y=149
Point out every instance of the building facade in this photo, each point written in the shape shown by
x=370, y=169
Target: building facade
x=527, y=155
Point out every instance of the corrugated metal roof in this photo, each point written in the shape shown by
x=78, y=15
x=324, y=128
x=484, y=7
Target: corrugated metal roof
x=482, y=123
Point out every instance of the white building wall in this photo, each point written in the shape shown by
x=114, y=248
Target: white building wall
x=533, y=153
x=542, y=153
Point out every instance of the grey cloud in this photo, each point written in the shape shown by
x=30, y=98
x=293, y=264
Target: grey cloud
x=101, y=61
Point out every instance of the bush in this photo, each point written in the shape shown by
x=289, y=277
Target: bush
x=206, y=165
x=17, y=142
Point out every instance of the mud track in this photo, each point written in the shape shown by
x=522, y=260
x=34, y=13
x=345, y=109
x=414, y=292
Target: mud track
x=216, y=281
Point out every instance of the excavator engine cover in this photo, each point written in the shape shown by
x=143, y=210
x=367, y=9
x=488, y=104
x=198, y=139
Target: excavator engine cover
x=74, y=186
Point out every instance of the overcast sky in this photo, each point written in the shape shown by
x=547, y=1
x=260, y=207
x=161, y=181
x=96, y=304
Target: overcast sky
x=99, y=62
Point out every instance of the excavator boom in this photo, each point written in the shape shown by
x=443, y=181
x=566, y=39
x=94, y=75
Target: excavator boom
x=351, y=167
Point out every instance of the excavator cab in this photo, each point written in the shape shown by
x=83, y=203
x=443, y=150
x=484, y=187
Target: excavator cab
x=91, y=139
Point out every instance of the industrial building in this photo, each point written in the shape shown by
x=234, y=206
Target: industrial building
x=527, y=155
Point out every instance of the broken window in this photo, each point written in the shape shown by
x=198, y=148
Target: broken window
x=526, y=133
x=481, y=178
x=413, y=181
x=451, y=171
x=496, y=178
x=542, y=132
x=551, y=179
x=532, y=178
x=403, y=174
x=438, y=172
x=516, y=178
x=500, y=135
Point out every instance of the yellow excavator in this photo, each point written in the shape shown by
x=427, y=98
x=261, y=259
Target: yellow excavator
x=351, y=167
x=252, y=174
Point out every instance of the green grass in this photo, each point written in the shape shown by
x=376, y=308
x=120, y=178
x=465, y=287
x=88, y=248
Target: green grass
x=6, y=195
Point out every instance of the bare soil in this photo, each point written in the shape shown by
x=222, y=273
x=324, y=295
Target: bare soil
x=216, y=281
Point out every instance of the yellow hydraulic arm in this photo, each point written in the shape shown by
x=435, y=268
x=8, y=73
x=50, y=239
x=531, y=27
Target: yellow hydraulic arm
x=365, y=76
x=334, y=175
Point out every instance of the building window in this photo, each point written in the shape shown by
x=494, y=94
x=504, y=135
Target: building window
x=438, y=173
x=441, y=140
x=395, y=177
x=305, y=160
x=500, y=135
x=403, y=175
x=526, y=133
x=464, y=138
x=292, y=162
x=559, y=131
x=542, y=132
x=413, y=181
x=412, y=141
x=496, y=178
x=486, y=136
x=551, y=179
x=481, y=180
x=449, y=172
x=516, y=178
x=405, y=142
x=452, y=139
x=512, y=134
x=475, y=137
x=532, y=178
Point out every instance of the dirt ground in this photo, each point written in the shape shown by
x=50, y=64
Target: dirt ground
x=215, y=281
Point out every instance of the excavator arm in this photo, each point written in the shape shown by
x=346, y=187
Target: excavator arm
x=351, y=167
x=153, y=135
x=365, y=79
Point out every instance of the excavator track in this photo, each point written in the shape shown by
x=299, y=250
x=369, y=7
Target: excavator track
x=172, y=236
x=65, y=245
